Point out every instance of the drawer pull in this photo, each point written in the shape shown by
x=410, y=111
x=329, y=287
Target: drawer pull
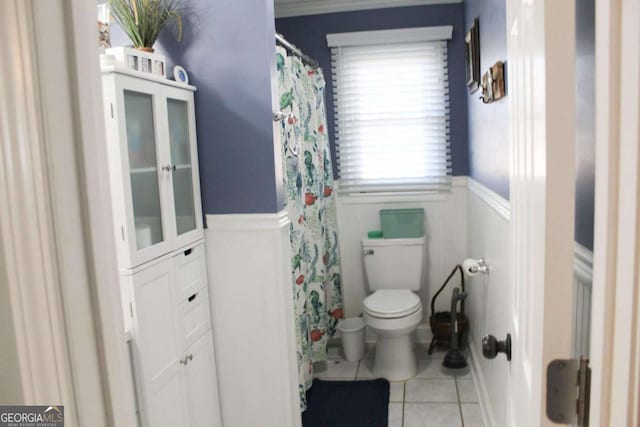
x=192, y=297
x=186, y=359
x=188, y=252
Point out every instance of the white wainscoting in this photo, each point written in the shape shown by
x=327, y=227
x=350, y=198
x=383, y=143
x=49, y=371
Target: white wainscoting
x=489, y=295
x=251, y=300
x=446, y=230
x=250, y=289
x=489, y=227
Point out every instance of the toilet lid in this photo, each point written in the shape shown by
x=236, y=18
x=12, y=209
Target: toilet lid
x=388, y=303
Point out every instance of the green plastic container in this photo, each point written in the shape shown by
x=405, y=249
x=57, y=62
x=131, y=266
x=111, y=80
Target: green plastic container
x=375, y=234
x=402, y=223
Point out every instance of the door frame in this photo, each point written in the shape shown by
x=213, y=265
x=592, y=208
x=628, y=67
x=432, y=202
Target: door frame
x=615, y=330
x=55, y=228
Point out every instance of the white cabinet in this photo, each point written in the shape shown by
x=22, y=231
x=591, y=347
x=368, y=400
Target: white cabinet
x=172, y=342
x=199, y=372
x=157, y=346
x=155, y=191
x=153, y=165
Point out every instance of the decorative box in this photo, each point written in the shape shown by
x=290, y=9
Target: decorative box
x=138, y=60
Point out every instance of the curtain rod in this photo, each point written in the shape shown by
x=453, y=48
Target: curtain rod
x=293, y=49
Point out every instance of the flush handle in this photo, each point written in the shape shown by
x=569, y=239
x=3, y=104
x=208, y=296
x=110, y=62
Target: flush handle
x=367, y=252
x=491, y=347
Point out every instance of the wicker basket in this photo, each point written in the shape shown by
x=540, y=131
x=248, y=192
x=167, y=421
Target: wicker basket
x=441, y=328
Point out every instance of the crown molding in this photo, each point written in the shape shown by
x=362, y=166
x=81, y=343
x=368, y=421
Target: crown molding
x=399, y=35
x=289, y=8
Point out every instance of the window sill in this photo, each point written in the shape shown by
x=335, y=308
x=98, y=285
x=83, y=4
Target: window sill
x=397, y=197
x=347, y=197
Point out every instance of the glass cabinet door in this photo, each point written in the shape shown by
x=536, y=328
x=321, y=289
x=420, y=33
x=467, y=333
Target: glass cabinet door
x=143, y=168
x=180, y=146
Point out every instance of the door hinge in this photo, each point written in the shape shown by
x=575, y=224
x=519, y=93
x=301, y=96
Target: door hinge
x=111, y=105
x=122, y=232
x=131, y=309
x=568, y=391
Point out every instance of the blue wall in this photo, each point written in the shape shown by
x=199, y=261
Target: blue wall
x=489, y=124
x=228, y=50
x=309, y=33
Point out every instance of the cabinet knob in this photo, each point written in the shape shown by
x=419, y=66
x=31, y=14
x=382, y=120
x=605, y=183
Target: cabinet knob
x=189, y=356
x=169, y=168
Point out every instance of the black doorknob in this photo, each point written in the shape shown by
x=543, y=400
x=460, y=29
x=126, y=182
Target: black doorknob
x=491, y=347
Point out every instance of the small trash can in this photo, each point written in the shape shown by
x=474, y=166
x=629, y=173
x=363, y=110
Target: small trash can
x=352, y=332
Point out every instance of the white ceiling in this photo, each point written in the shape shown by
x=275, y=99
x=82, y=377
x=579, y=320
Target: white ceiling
x=285, y=8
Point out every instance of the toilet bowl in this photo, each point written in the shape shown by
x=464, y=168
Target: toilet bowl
x=393, y=315
x=393, y=310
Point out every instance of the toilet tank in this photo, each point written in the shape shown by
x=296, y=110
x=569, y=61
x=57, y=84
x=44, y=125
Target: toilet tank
x=394, y=263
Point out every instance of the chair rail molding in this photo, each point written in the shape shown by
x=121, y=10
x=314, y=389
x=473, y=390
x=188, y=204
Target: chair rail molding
x=491, y=198
x=245, y=222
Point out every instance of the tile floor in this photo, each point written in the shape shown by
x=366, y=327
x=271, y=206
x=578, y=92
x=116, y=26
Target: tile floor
x=431, y=398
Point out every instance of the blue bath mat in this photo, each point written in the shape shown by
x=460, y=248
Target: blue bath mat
x=347, y=404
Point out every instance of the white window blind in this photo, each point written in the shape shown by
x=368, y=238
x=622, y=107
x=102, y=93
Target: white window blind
x=392, y=112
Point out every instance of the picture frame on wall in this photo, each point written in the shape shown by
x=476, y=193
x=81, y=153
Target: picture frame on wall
x=472, y=55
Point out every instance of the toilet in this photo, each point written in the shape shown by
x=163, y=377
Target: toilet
x=394, y=269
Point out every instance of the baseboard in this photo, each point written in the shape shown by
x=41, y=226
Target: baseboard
x=478, y=378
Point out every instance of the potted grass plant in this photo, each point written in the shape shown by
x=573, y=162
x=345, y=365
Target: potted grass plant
x=144, y=20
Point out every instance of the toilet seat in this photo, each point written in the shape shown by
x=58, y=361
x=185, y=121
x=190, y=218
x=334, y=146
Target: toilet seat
x=391, y=303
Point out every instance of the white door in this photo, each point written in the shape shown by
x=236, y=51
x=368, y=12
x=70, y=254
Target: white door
x=541, y=98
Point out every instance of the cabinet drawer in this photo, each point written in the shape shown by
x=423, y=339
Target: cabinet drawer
x=191, y=272
x=195, y=318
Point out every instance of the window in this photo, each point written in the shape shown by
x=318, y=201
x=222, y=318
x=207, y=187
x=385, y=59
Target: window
x=391, y=96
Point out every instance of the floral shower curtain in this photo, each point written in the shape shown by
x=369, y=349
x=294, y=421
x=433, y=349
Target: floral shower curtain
x=309, y=199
